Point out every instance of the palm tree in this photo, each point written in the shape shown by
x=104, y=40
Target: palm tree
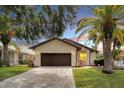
x=107, y=27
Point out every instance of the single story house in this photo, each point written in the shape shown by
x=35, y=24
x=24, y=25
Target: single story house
x=14, y=56
x=62, y=52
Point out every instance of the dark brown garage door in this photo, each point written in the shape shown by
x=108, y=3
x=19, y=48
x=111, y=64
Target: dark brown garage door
x=55, y=59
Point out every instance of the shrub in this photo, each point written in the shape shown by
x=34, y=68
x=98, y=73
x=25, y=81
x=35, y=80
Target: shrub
x=98, y=56
x=99, y=62
x=22, y=62
x=25, y=61
x=31, y=63
x=2, y=62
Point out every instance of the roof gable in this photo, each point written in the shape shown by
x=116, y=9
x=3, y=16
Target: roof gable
x=67, y=41
x=76, y=43
x=39, y=44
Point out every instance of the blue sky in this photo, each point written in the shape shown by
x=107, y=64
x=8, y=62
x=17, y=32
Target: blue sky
x=83, y=12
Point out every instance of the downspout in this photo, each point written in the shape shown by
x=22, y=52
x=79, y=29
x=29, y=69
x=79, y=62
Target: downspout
x=76, y=58
x=89, y=59
x=76, y=64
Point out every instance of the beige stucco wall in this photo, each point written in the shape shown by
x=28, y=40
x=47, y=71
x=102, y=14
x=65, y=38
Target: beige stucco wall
x=78, y=57
x=55, y=46
x=14, y=58
x=92, y=58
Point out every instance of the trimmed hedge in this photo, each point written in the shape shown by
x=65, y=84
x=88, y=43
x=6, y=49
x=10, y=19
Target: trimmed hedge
x=30, y=63
x=23, y=62
x=2, y=62
x=99, y=62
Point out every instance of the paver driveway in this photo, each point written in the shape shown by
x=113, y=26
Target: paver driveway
x=42, y=77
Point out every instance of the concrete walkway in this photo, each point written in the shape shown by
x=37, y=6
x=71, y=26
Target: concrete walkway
x=42, y=77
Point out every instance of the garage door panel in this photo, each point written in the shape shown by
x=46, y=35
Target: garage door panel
x=55, y=59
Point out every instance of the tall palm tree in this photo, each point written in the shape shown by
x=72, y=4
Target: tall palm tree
x=107, y=27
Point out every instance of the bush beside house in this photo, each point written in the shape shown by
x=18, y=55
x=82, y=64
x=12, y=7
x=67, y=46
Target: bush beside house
x=2, y=63
x=99, y=60
x=28, y=62
x=26, y=59
x=23, y=62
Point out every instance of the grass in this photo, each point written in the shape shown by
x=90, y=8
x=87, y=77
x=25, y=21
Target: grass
x=6, y=72
x=94, y=78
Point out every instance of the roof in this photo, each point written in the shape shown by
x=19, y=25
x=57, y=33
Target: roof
x=24, y=49
x=70, y=42
x=10, y=47
x=81, y=45
x=51, y=39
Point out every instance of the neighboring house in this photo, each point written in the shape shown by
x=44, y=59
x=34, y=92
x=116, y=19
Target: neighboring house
x=120, y=61
x=14, y=55
x=26, y=53
x=62, y=52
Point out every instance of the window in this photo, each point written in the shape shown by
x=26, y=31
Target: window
x=83, y=56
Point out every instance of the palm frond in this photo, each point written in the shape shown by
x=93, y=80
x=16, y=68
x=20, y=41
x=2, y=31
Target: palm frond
x=92, y=33
x=106, y=23
x=119, y=36
x=85, y=22
x=84, y=32
x=99, y=38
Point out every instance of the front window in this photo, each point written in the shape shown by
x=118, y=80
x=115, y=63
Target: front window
x=83, y=56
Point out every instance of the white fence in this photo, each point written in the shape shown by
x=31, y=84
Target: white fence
x=119, y=63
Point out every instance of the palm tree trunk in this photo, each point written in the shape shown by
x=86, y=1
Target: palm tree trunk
x=113, y=57
x=6, y=54
x=107, y=56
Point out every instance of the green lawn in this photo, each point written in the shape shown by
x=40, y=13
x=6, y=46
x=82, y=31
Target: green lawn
x=6, y=72
x=94, y=78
